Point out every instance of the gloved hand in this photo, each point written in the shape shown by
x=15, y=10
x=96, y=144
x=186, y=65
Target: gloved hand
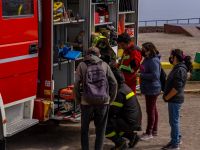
x=164, y=98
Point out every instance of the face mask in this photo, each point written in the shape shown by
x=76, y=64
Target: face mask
x=171, y=60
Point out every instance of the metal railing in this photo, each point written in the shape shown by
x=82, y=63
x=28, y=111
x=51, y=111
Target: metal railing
x=174, y=21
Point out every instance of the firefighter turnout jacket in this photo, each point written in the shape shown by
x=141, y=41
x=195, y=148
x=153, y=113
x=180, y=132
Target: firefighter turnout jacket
x=126, y=107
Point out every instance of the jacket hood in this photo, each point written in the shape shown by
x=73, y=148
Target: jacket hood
x=181, y=65
x=155, y=58
x=92, y=59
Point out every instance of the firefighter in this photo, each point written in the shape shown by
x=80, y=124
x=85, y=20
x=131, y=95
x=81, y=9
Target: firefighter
x=106, y=51
x=130, y=61
x=124, y=116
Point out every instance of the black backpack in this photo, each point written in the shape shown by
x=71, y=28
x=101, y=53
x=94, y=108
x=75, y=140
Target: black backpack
x=95, y=86
x=163, y=77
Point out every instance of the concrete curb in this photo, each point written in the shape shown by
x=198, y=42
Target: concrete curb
x=194, y=91
x=191, y=91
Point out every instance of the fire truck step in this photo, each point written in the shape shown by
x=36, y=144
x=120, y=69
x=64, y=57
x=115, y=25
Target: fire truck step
x=20, y=125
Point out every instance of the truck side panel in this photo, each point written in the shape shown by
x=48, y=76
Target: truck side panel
x=18, y=50
x=18, y=79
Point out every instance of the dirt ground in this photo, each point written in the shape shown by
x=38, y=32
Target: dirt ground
x=166, y=42
x=67, y=137
x=49, y=136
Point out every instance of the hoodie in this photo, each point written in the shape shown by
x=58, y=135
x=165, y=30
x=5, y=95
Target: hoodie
x=177, y=79
x=80, y=78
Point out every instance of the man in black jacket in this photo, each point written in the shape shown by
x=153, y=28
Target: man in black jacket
x=124, y=116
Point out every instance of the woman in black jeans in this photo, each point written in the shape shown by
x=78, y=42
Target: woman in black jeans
x=150, y=87
x=174, y=94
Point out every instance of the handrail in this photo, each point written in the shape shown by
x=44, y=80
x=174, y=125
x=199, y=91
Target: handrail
x=167, y=21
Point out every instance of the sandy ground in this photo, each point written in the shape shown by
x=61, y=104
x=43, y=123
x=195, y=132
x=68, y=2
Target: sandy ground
x=67, y=137
x=49, y=136
x=166, y=42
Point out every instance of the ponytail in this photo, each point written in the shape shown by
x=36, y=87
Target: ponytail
x=188, y=63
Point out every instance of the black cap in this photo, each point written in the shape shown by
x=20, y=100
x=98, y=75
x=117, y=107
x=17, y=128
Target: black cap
x=124, y=37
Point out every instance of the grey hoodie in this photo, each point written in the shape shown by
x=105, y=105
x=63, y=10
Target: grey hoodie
x=80, y=77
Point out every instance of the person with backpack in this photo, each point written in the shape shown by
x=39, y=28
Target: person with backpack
x=130, y=61
x=150, y=87
x=174, y=94
x=124, y=116
x=95, y=88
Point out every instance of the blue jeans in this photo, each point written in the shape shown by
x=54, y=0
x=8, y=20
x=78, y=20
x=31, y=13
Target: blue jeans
x=174, y=121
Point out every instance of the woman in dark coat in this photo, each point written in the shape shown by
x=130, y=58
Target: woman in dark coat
x=150, y=87
x=174, y=94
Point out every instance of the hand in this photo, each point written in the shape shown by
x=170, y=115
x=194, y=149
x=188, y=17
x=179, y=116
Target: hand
x=165, y=98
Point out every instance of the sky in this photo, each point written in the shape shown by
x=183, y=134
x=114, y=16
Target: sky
x=168, y=9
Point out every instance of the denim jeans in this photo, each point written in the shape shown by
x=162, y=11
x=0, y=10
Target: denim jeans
x=174, y=121
x=99, y=114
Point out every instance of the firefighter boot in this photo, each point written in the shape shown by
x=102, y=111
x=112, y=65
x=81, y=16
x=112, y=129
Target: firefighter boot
x=2, y=144
x=120, y=143
x=133, y=139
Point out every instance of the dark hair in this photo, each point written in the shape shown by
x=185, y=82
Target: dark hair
x=182, y=58
x=124, y=37
x=149, y=46
x=118, y=75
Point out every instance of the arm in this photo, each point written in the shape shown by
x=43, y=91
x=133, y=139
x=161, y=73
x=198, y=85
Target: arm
x=78, y=78
x=177, y=85
x=112, y=85
x=171, y=94
x=116, y=106
x=136, y=59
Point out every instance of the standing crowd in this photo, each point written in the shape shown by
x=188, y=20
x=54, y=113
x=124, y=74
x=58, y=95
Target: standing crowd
x=106, y=91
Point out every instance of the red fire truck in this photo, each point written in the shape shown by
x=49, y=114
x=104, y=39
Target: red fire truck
x=18, y=63
x=29, y=36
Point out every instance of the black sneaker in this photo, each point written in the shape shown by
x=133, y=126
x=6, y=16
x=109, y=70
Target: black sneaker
x=171, y=146
x=133, y=142
x=122, y=146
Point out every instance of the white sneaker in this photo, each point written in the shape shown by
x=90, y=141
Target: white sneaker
x=146, y=137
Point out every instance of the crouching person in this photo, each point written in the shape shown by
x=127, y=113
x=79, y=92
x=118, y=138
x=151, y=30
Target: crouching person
x=124, y=116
